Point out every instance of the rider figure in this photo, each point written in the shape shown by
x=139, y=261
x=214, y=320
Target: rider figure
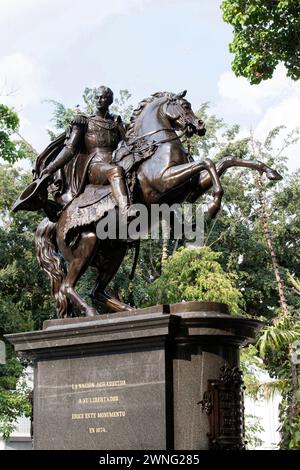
x=101, y=134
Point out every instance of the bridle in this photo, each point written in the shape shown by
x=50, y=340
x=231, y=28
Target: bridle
x=155, y=143
x=159, y=142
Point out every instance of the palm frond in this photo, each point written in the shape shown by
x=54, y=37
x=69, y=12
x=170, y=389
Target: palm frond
x=281, y=334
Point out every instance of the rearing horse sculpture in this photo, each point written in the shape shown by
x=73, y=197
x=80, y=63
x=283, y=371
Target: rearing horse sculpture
x=158, y=169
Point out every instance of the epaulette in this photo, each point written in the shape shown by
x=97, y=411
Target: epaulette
x=117, y=118
x=79, y=120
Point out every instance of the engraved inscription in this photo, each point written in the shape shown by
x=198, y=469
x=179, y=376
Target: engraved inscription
x=96, y=430
x=98, y=401
x=108, y=383
x=104, y=414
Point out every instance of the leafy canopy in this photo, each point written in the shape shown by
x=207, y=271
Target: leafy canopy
x=9, y=123
x=265, y=32
x=195, y=274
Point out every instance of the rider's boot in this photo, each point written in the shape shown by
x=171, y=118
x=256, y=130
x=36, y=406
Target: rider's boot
x=118, y=186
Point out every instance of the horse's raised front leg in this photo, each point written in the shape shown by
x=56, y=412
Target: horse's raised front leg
x=205, y=181
x=177, y=175
x=229, y=162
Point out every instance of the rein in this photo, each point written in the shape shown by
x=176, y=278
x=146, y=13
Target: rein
x=155, y=142
x=153, y=132
x=163, y=141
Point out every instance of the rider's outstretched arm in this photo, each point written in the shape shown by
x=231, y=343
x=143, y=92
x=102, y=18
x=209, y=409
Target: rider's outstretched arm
x=69, y=149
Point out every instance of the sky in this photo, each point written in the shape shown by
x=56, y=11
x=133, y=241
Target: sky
x=53, y=49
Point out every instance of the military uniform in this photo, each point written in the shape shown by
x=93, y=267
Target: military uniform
x=99, y=137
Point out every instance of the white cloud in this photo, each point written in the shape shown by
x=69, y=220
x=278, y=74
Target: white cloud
x=21, y=88
x=73, y=13
x=11, y=9
x=273, y=103
x=43, y=34
x=252, y=98
x=20, y=80
x=286, y=113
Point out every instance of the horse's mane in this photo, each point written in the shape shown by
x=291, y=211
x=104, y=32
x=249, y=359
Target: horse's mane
x=142, y=105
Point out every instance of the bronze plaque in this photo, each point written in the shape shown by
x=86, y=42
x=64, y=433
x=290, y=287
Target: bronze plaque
x=223, y=403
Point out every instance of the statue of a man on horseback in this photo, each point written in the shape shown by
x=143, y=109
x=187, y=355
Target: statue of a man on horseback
x=97, y=167
x=97, y=136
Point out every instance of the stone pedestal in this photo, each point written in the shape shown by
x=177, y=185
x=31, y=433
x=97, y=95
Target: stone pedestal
x=165, y=377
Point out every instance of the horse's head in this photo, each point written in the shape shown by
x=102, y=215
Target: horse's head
x=182, y=117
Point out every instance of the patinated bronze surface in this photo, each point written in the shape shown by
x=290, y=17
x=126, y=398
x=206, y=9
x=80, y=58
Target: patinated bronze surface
x=96, y=167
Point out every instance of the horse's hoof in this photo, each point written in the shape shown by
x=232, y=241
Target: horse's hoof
x=213, y=209
x=91, y=312
x=127, y=308
x=273, y=175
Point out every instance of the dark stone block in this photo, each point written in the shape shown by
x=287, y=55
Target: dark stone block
x=132, y=380
x=101, y=401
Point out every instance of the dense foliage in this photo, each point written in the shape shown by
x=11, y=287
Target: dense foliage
x=195, y=274
x=266, y=32
x=22, y=291
x=9, y=123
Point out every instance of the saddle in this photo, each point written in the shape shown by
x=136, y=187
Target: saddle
x=130, y=154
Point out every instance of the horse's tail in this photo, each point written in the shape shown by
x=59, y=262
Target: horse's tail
x=51, y=263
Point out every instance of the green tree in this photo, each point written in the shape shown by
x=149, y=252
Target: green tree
x=266, y=32
x=195, y=274
x=24, y=297
x=10, y=151
x=253, y=429
x=14, y=395
x=258, y=233
x=237, y=231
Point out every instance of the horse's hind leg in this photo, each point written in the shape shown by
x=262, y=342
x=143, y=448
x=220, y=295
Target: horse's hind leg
x=110, y=302
x=79, y=259
x=108, y=262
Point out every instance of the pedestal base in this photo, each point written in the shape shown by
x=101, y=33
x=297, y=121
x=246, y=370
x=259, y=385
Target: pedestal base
x=159, y=378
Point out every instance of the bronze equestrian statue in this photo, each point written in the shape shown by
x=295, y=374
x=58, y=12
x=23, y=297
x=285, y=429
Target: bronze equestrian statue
x=99, y=166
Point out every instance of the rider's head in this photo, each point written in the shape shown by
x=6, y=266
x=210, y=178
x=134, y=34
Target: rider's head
x=104, y=97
